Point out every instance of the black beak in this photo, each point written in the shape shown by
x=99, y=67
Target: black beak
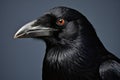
x=29, y=31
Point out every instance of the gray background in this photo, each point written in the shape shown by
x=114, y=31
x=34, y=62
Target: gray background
x=21, y=59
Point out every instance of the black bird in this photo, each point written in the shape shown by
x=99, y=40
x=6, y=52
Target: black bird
x=74, y=52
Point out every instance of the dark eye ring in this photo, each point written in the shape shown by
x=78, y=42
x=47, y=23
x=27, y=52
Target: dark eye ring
x=60, y=22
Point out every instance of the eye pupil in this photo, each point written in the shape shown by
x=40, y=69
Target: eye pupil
x=60, y=22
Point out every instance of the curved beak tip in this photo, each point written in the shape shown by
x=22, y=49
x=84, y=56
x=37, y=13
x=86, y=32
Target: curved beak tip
x=18, y=35
x=15, y=36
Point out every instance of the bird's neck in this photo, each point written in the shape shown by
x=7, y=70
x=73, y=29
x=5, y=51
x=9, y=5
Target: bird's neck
x=79, y=50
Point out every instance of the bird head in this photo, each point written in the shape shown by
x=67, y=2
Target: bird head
x=55, y=25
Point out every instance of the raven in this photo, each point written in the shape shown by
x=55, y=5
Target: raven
x=74, y=52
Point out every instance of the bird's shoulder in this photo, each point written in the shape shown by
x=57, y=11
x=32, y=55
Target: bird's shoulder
x=110, y=70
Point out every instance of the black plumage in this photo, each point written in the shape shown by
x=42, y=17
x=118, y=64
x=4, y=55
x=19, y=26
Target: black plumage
x=74, y=52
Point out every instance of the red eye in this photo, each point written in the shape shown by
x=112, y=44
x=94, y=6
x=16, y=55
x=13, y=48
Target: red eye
x=60, y=22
